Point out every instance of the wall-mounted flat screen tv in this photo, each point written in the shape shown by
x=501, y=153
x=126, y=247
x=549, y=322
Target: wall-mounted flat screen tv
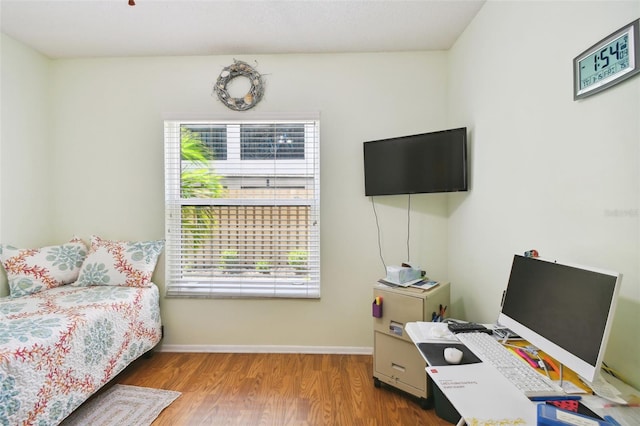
x=422, y=163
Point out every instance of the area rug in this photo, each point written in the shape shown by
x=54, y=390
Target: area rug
x=122, y=405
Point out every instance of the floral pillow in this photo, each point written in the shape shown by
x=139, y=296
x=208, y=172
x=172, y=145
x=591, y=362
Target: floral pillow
x=33, y=270
x=119, y=263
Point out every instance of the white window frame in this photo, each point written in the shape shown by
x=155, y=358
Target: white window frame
x=177, y=284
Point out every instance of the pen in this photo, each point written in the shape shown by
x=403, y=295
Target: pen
x=553, y=366
x=620, y=405
x=556, y=398
x=512, y=350
x=524, y=356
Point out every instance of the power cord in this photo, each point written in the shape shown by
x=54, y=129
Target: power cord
x=615, y=373
x=375, y=213
x=408, y=227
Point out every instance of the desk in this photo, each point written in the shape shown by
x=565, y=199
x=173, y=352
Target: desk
x=478, y=391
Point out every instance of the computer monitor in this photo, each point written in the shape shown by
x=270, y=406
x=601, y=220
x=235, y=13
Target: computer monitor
x=564, y=310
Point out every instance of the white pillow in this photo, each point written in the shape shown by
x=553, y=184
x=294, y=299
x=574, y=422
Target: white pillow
x=33, y=270
x=119, y=263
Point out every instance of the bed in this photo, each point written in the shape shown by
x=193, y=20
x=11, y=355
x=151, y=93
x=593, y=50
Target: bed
x=61, y=343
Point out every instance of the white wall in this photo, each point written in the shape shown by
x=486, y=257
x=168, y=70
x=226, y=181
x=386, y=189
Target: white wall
x=107, y=176
x=25, y=201
x=547, y=172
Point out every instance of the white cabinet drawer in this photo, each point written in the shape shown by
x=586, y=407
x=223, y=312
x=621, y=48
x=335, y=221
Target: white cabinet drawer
x=401, y=362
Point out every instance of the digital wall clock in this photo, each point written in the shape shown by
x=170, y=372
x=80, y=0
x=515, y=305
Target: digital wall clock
x=608, y=62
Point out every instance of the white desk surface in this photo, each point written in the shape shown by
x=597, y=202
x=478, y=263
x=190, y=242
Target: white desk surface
x=478, y=391
x=483, y=396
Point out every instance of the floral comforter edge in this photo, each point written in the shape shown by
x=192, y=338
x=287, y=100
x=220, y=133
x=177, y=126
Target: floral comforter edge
x=59, y=346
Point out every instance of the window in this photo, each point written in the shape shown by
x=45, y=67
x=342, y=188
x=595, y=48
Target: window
x=242, y=202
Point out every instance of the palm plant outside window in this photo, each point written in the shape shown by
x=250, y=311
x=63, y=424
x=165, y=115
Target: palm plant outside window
x=242, y=208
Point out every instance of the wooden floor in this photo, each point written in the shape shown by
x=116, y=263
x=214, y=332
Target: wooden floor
x=274, y=389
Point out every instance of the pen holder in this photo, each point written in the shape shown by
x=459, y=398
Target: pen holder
x=376, y=310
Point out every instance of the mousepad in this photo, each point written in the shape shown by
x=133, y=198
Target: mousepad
x=434, y=353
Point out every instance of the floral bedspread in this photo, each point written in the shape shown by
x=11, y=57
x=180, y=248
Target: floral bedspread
x=59, y=346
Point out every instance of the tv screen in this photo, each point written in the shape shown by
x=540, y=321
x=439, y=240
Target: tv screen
x=564, y=310
x=422, y=163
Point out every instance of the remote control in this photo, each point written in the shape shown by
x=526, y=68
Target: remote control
x=467, y=327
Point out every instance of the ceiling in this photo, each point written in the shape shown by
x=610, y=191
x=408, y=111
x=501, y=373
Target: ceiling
x=112, y=28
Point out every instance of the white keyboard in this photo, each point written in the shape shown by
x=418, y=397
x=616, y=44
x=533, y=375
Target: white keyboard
x=521, y=374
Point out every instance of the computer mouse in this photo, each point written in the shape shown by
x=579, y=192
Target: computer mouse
x=452, y=355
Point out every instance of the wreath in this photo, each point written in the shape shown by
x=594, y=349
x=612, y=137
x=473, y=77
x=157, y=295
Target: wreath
x=253, y=96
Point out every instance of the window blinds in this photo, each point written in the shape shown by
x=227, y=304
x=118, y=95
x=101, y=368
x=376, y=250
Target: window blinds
x=242, y=201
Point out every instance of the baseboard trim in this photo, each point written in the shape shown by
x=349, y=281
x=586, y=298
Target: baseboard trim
x=346, y=350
